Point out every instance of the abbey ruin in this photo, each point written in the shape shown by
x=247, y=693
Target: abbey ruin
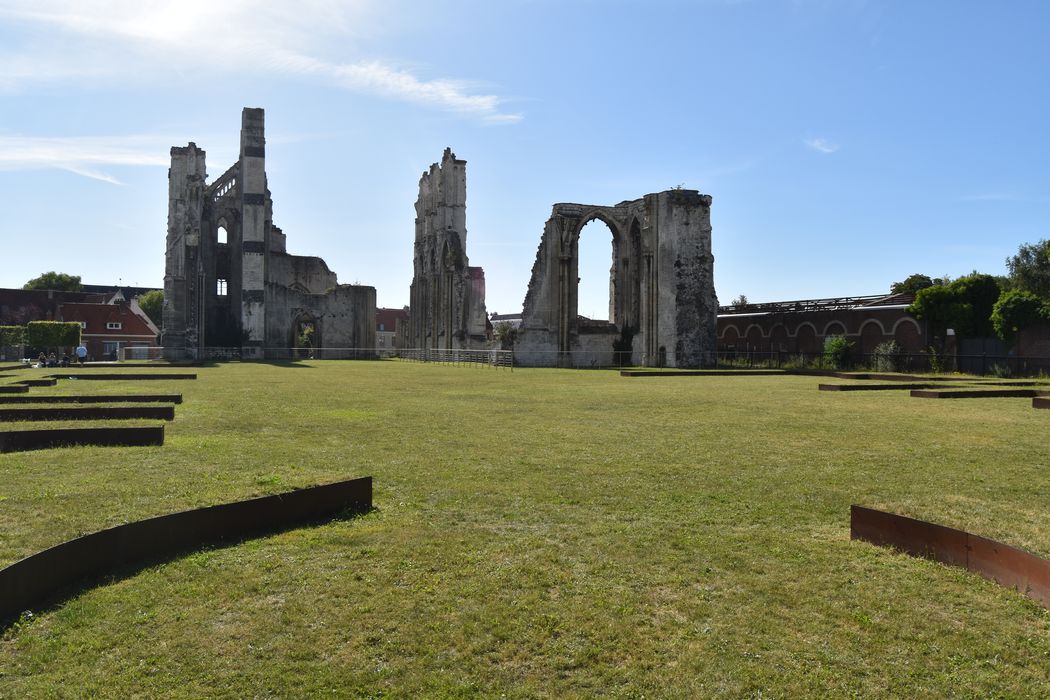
x=229, y=283
x=663, y=309
x=447, y=295
x=231, y=287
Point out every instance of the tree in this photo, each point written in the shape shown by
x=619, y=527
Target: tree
x=912, y=284
x=964, y=305
x=152, y=302
x=739, y=301
x=1017, y=310
x=59, y=281
x=1030, y=268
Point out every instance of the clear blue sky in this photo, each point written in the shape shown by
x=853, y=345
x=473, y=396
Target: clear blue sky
x=847, y=144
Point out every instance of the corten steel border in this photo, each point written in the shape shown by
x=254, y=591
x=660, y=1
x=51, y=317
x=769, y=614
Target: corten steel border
x=703, y=373
x=890, y=377
x=14, y=389
x=871, y=387
x=45, y=576
x=1041, y=402
x=1006, y=565
x=40, y=439
x=87, y=413
x=38, y=382
x=974, y=393
x=113, y=376
x=94, y=398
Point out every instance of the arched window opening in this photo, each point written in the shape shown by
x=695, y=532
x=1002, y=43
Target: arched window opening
x=596, y=256
x=220, y=235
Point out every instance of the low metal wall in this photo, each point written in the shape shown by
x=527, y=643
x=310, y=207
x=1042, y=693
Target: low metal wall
x=94, y=398
x=87, y=413
x=127, y=375
x=45, y=576
x=14, y=389
x=974, y=393
x=23, y=440
x=1006, y=565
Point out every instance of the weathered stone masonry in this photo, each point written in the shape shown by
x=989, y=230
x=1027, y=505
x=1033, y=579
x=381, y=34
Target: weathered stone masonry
x=229, y=281
x=663, y=307
x=447, y=295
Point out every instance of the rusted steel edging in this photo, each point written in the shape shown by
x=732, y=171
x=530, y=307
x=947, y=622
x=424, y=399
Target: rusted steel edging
x=130, y=376
x=1041, y=402
x=14, y=389
x=44, y=438
x=40, y=578
x=153, y=412
x=871, y=387
x=1006, y=565
x=974, y=393
x=94, y=398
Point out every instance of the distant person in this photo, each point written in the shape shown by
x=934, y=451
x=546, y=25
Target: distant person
x=65, y=360
x=42, y=360
x=52, y=360
x=81, y=353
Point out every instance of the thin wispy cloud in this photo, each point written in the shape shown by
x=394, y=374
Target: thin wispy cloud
x=127, y=39
x=87, y=157
x=821, y=145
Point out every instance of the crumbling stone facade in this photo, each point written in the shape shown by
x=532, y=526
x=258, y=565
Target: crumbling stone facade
x=663, y=308
x=447, y=302
x=229, y=281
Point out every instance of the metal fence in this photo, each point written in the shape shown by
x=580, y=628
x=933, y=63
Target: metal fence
x=984, y=364
x=500, y=359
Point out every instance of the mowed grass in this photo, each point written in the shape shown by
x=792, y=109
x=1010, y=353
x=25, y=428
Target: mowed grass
x=542, y=533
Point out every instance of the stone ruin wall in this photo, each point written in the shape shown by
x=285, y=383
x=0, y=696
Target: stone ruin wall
x=663, y=308
x=269, y=294
x=447, y=296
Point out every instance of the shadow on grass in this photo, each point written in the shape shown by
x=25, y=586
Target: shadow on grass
x=12, y=622
x=40, y=577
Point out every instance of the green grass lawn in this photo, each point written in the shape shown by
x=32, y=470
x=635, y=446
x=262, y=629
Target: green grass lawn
x=542, y=533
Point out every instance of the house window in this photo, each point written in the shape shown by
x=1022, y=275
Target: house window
x=381, y=327
x=220, y=287
x=113, y=325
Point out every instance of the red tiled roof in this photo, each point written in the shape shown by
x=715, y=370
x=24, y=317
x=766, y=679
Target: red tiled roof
x=97, y=316
x=389, y=318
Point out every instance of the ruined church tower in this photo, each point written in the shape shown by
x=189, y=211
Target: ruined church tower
x=447, y=295
x=230, y=286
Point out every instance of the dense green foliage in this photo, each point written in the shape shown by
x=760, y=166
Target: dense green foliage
x=12, y=335
x=152, y=302
x=964, y=304
x=55, y=280
x=911, y=284
x=837, y=352
x=888, y=356
x=1030, y=269
x=541, y=533
x=1016, y=310
x=52, y=334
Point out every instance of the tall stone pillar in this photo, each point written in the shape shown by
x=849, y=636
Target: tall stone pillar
x=253, y=233
x=182, y=320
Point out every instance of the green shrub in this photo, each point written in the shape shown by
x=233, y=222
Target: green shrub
x=836, y=352
x=52, y=334
x=12, y=335
x=888, y=357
